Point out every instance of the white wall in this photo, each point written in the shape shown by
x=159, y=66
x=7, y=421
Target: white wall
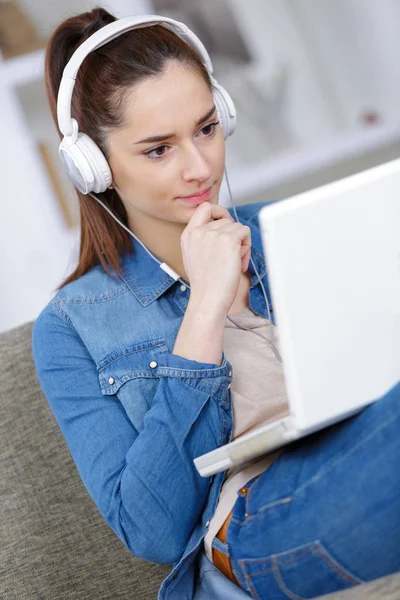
x=271, y=29
x=358, y=53
x=35, y=248
x=47, y=14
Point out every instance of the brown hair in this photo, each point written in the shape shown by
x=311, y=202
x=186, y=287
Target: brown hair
x=97, y=104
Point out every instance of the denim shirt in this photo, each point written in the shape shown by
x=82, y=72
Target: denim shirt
x=134, y=415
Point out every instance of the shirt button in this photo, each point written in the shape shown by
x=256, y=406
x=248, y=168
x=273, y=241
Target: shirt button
x=208, y=524
x=111, y=380
x=230, y=373
x=183, y=288
x=153, y=364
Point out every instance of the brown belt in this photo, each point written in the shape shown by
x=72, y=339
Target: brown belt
x=222, y=562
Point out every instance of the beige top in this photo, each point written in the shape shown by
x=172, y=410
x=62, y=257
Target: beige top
x=258, y=396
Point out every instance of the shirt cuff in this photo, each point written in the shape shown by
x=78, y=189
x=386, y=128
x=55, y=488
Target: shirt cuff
x=172, y=365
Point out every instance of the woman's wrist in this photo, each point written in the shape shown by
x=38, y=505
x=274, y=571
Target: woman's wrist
x=200, y=336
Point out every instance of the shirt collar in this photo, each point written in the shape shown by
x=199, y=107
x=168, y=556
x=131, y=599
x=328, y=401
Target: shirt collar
x=147, y=281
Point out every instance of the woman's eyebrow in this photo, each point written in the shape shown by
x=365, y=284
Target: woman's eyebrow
x=161, y=138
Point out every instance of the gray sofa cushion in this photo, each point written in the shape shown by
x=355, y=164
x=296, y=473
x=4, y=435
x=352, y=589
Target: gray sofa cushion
x=54, y=543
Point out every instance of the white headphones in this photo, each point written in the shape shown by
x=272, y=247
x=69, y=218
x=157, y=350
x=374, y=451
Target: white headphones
x=82, y=159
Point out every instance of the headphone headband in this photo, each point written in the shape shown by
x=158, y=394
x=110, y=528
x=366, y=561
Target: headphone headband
x=103, y=36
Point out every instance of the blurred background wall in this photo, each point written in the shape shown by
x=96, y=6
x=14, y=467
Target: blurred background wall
x=315, y=82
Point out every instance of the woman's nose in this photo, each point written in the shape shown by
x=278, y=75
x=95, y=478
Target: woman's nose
x=195, y=165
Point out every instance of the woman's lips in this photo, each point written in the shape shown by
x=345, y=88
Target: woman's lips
x=193, y=200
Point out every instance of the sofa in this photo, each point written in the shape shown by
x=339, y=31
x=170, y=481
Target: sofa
x=54, y=544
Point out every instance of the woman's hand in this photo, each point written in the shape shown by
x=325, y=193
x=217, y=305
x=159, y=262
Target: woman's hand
x=215, y=250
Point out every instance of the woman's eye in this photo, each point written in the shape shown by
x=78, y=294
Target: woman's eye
x=213, y=126
x=150, y=153
x=155, y=152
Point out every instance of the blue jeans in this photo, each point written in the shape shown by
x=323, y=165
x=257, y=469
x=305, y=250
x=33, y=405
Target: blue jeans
x=326, y=515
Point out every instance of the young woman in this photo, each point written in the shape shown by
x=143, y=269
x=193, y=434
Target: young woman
x=145, y=372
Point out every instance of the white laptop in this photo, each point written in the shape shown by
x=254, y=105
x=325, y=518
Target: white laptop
x=333, y=260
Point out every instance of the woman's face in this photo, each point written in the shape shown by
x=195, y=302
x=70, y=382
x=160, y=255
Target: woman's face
x=152, y=177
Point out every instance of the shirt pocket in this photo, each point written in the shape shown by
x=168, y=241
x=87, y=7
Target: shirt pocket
x=130, y=373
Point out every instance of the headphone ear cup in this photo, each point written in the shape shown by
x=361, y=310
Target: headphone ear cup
x=101, y=173
x=225, y=108
x=85, y=164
